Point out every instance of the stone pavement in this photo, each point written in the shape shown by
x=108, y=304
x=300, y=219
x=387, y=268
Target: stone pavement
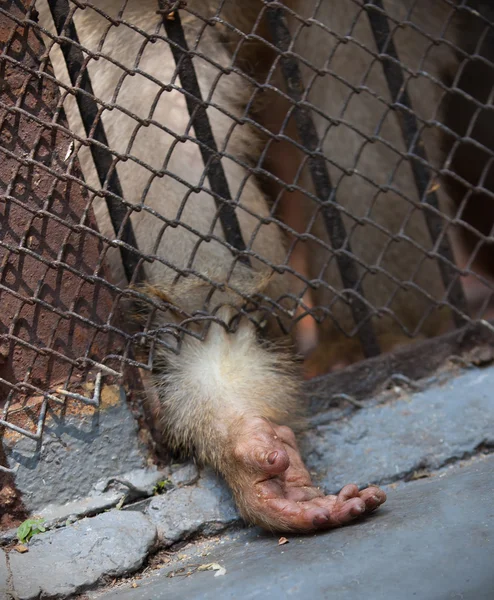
x=434, y=538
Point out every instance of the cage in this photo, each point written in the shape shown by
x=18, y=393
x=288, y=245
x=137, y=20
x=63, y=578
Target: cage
x=323, y=169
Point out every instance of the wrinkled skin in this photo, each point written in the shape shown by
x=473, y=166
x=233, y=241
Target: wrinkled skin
x=273, y=487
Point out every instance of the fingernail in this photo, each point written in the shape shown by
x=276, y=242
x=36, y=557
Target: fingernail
x=320, y=520
x=272, y=457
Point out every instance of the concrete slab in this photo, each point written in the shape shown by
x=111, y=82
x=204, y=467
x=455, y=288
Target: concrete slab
x=206, y=508
x=4, y=577
x=127, y=487
x=64, y=561
x=77, y=450
x=388, y=442
x=434, y=539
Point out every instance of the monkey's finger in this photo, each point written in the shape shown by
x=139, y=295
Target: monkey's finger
x=295, y=516
x=262, y=455
x=373, y=497
x=342, y=509
x=312, y=515
x=348, y=491
x=341, y=512
x=286, y=435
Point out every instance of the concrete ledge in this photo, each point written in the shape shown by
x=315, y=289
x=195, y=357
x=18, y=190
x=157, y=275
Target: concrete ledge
x=206, y=508
x=64, y=561
x=80, y=447
x=426, y=526
x=433, y=540
x=388, y=442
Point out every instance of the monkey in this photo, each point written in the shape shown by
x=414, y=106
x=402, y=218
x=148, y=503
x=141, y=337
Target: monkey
x=467, y=115
x=229, y=391
x=434, y=44
x=365, y=149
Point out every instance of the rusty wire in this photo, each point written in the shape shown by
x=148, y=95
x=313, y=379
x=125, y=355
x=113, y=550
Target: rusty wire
x=64, y=310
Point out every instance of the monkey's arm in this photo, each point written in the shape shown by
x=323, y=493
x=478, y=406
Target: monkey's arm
x=226, y=399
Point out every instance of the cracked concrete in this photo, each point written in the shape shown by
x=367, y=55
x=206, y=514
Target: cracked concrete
x=382, y=442
x=106, y=493
x=76, y=451
x=63, y=561
x=386, y=442
x=185, y=474
x=206, y=507
x=4, y=577
x=433, y=540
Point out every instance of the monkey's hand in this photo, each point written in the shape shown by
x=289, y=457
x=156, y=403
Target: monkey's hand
x=273, y=488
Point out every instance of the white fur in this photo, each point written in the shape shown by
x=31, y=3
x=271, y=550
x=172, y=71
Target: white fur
x=227, y=374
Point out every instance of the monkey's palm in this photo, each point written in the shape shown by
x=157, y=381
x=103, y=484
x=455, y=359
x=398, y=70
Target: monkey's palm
x=273, y=488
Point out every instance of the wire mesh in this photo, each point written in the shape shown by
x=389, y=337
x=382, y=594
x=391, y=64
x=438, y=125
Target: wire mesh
x=305, y=162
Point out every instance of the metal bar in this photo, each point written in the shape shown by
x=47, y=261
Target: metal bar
x=103, y=158
x=202, y=127
x=322, y=184
x=409, y=127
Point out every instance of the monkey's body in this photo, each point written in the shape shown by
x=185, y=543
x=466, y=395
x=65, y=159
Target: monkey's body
x=227, y=397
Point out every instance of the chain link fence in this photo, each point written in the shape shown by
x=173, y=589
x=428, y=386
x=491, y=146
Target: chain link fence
x=342, y=148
